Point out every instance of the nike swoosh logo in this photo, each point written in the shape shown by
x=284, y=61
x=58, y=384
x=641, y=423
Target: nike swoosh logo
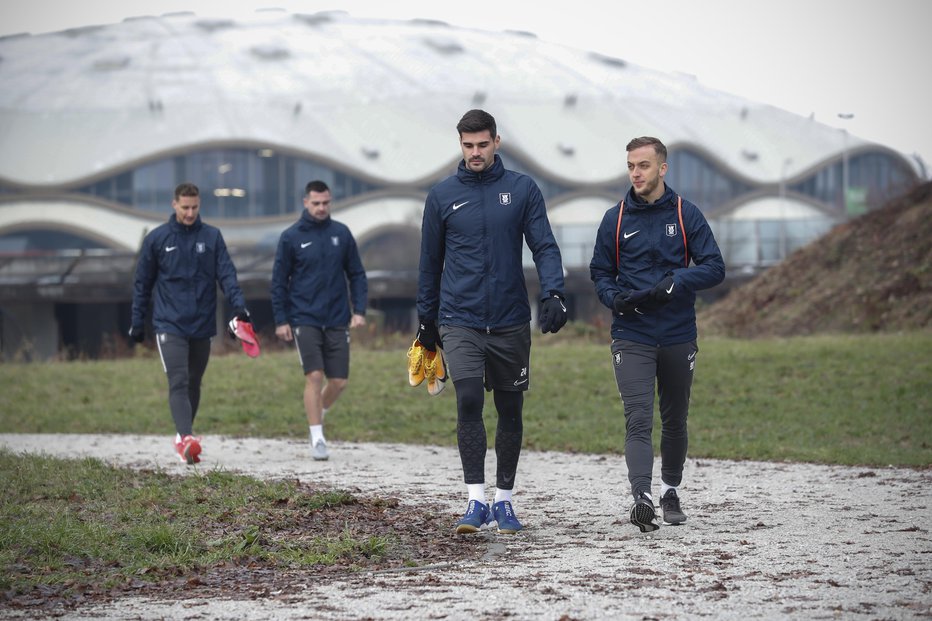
x=170, y=248
x=691, y=356
x=670, y=290
x=457, y=206
x=306, y=244
x=519, y=382
x=627, y=235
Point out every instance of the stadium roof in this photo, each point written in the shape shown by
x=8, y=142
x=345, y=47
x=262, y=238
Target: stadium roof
x=377, y=98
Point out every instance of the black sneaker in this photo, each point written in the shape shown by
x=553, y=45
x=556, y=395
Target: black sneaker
x=642, y=513
x=670, y=504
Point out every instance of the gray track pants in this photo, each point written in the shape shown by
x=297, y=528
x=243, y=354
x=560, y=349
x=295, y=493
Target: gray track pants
x=184, y=361
x=637, y=367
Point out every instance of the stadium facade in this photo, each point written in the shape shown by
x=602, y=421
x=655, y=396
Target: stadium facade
x=98, y=125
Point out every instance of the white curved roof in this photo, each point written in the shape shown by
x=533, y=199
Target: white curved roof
x=377, y=97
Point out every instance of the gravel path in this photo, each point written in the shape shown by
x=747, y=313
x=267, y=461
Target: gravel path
x=763, y=540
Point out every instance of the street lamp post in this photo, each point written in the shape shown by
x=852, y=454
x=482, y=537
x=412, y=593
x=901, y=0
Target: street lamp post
x=844, y=116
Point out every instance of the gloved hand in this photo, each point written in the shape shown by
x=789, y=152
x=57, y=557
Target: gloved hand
x=427, y=334
x=621, y=304
x=630, y=301
x=239, y=314
x=552, y=313
x=663, y=290
x=137, y=333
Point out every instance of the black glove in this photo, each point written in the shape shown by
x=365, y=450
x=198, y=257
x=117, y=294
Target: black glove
x=427, y=334
x=239, y=314
x=621, y=304
x=552, y=313
x=137, y=333
x=663, y=290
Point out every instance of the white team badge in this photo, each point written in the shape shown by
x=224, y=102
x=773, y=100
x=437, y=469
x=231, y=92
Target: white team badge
x=671, y=230
x=201, y=247
x=616, y=357
x=335, y=240
x=504, y=198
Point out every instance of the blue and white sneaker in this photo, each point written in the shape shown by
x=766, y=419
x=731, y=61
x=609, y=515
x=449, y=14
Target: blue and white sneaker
x=477, y=516
x=504, y=514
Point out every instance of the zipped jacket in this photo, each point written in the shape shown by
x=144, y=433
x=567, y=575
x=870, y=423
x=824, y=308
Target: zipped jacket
x=650, y=247
x=313, y=262
x=179, y=267
x=472, y=244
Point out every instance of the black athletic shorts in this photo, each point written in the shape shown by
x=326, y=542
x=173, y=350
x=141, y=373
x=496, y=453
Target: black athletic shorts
x=501, y=357
x=326, y=349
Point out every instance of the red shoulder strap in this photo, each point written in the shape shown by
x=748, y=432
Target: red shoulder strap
x=621, y=208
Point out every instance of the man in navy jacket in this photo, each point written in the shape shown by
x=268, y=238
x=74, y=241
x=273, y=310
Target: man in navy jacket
x=473, y=302
x=641, y=270
x=181, y=262
x=316, y=257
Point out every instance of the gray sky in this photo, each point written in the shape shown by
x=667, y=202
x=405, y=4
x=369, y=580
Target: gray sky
x=821, y=57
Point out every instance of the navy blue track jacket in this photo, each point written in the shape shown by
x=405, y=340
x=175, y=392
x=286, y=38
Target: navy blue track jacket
x=472, y=242
x=313, y=261
x=178, y=268
x=651, y=248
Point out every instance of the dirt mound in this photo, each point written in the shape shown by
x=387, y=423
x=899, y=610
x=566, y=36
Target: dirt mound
x=871, y=274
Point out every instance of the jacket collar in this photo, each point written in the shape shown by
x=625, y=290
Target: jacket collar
x=668, y=198
x=490, y=174
x=177, y=226
x=307, y=221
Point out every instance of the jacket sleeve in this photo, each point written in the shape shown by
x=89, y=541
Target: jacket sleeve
x=226, y=275
x=146, y=272
x=543, y=244
x=602, y=268
x=709, y=266
x=356, y=273
x=433, y=251
x=281, y=274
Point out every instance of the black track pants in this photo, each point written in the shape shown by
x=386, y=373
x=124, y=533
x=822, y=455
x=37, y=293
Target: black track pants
x=184, y=361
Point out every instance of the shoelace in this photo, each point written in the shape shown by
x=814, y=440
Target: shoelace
x=415, y=358
x=430, y=366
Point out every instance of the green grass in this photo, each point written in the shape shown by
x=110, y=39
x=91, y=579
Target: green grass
x=74, y=523
x=831, y=399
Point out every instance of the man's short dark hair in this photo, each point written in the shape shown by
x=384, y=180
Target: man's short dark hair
x=186, y=189
x=315, y=186
x=477, y=121
x=646, y=141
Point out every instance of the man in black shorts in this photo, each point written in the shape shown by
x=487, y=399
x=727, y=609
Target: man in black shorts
x=316, y=257
x=473, y=301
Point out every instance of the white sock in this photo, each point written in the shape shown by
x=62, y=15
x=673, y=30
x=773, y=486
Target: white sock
x=323, y=414
x=502, y=494
x=177, y=438
x=317, y=433
x=476, y=491
x=664, y=487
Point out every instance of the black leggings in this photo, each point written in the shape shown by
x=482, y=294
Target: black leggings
x=471, y=436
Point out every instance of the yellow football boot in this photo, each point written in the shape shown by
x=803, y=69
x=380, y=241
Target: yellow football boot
x=416, y=366
x=436, y=371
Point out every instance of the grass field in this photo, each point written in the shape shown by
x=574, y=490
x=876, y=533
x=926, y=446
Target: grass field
x=832, y=399
x=80, y=530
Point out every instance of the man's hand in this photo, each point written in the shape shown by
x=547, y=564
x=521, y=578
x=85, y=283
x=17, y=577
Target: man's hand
x=427, y=334
x=137, y=333
x=621, y=304
x=663, y=290
x=552, y=313
x=284, y=332
x=357, y=321
x=239, y=314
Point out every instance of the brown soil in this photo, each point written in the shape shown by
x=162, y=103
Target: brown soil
x=871, y=274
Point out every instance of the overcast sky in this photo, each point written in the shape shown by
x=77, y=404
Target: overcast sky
x=821, y=57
